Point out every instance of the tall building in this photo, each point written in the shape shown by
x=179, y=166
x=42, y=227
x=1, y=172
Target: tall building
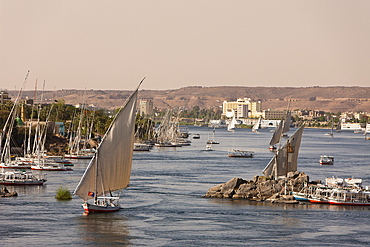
x=146, y=107
x=271, y=114
x=242, y=108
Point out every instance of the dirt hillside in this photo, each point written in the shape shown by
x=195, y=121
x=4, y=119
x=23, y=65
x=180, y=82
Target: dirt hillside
x=332, y=99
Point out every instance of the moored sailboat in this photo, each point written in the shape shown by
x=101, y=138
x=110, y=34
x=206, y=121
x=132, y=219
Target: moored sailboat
x=276, y=136
x=287, y=122
x=286, y=158
x=212, y=140
x=110, y=168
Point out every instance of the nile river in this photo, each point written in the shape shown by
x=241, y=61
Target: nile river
x=164, y=204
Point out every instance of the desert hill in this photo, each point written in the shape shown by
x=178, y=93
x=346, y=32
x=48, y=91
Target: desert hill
x=332, y=99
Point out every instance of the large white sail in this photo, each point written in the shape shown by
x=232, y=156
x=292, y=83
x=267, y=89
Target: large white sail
x=287, y=122
x=286, y=159
x=110, y=168
x=277, y=134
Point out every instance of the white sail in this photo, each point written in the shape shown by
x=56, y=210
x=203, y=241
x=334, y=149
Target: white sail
x=367, y=128
x=277, y=134
x=287, y=122
x=257, y=125
x=110, y=168
x=285, y=160
x=231, y=125
x=339, y=126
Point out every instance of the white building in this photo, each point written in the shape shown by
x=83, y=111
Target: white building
x=242, y=108
x=146, y=107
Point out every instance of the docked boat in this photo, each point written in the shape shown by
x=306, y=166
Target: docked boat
x=16, y=165
x=51, y=167
x=326, y=160
x=337, y=191
x=79, y=156
x=110, y=169
x=141, y=147
x=167, y=144
x=235, y=153
x=350, y=197
x=58, y=159
x=21, y=178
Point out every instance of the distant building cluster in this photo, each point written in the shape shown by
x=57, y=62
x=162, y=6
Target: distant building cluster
x=246, y=108
x=4, y=97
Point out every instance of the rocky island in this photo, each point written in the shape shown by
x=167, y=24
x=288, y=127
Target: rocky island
x=261, y=188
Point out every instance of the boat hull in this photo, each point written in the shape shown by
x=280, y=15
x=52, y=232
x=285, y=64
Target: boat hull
x=348, y=203
x=78, y=156
x=43, y=168
x=319, y=201
x=240, y=156
x=93, y=208
x=22, y=182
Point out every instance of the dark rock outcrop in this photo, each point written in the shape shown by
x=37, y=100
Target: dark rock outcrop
x=261, y=188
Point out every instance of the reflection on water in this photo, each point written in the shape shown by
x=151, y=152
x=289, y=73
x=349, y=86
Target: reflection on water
x=104, y=229
x=22, y=190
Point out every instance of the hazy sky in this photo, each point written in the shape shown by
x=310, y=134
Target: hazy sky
x=113, y=44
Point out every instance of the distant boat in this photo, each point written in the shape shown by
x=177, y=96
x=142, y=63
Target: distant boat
x=212, y=139
x=196, y=136
x=326, y=160
x=257, y=125
x=339, y=127
x=110, y=169
x=367, y=131
x=331, y=133
x=142, y=147
x=209, y=147
x=235, y=153
x=231, y=125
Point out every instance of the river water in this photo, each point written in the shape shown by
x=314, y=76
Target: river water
x=164, y=204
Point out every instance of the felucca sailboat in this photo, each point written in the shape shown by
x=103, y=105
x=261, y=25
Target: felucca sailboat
x=110, y=168
x=286, y=158
x=276, y=136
